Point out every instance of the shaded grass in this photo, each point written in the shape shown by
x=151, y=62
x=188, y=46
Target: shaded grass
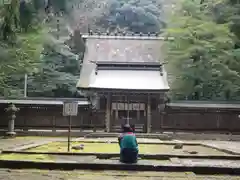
x=114, y=148
x=26, y=157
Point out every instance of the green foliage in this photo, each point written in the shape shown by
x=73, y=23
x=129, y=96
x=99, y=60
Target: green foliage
x=20, y=46
x=202, y=58
x=9, y=20
x=17, y=60
x=59, y=5
x=135, y=15
x=55, y=5
x=26, y=15
x=51, y=66
x=38, y=4
x=58, y=72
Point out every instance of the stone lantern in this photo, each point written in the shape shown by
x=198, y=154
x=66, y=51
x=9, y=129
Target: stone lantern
x=11, y=110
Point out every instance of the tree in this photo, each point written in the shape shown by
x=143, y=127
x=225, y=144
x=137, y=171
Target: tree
x=201, y=56
x=19, y=50
x=10, y=20
x=137, y=15
x=58, y=72
x=56, y=5
x=26, y=15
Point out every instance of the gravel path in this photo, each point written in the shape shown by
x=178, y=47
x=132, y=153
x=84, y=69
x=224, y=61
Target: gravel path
x=6, y=174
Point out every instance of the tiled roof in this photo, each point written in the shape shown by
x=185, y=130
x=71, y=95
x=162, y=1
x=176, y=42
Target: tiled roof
x=123, y=49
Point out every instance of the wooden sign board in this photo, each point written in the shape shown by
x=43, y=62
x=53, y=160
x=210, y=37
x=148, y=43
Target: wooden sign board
x=70, y=108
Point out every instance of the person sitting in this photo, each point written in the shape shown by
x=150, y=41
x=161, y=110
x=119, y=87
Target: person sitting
x=128, y=145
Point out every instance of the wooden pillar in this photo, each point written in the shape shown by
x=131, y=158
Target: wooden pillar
x=128, y=120
x=218, y=119
x=149, y=114
x=53, y=124
x=25, y=127
x=116, y=113
x=160, y=113
x=138, y=114
x=108, y=113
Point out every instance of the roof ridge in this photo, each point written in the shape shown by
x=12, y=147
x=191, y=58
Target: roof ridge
x=135, y=36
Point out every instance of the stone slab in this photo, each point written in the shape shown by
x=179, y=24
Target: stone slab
x=10, y=174
x=227, y=145
x=175, y=160
x=210, y=163
x=110, y=164
x=172, y=135
x=75, y=159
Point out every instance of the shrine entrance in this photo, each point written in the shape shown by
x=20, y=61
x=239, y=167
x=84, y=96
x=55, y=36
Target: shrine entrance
x=133, y=113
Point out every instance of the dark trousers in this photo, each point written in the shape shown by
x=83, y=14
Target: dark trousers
x=129, y=155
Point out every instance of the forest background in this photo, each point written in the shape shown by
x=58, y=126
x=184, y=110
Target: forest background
x=40, y=39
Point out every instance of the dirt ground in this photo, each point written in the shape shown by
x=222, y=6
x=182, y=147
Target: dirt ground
x=7, y=174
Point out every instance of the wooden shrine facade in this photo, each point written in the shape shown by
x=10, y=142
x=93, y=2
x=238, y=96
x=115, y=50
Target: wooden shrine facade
x=136, y=109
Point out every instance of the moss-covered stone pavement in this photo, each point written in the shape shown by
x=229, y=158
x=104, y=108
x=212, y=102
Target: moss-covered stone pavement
x=20, y=142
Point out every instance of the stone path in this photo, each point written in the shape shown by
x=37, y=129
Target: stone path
x=12, y=143
x=19, y=142
x=7, y=174
x=170, y=162
x=227, y=145
x=210, y=163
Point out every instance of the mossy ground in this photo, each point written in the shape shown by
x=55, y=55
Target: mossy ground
x=26, y=157
x=114, y=148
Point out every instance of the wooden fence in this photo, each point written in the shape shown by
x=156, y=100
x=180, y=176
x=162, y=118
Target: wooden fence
x=198, y=120
x=172, y=119
x=50, y=117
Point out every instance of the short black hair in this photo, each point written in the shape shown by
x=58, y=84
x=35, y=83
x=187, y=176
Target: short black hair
x=127, y=128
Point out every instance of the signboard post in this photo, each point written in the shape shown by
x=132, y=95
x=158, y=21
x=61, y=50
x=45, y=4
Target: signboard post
x=70, y=109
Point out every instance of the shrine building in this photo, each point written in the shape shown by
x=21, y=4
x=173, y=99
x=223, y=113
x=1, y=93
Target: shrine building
x=125, y=79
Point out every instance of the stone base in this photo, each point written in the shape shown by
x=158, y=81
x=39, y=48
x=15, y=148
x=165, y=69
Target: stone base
x=10, y=134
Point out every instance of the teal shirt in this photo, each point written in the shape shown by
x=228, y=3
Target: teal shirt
x=129, y=141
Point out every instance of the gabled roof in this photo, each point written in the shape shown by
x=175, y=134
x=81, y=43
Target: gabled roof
x=135, y=63
x=123, y=49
